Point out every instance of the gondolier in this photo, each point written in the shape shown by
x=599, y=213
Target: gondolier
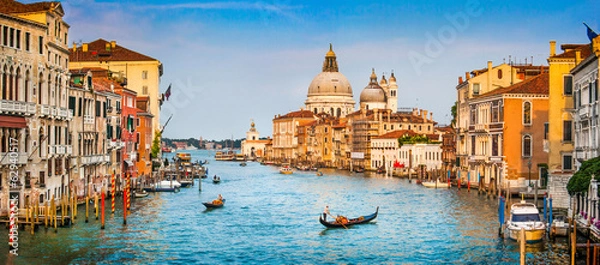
x=326, y=212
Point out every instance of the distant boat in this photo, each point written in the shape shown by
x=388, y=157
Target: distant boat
x=243, y=164
x=286, y=169
x=141, y=194
x=216, y=179
x=166, y=149
x=224, y=156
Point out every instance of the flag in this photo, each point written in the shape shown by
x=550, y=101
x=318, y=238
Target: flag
x=590, y=32
x=168, y=93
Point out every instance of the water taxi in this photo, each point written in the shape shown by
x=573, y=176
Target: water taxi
x=435, y=184
x=527, y=216
x=286, y=169
x=224, y=156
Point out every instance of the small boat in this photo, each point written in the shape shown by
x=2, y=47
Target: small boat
x=286, y=169
x=319, y=173
x=359, y=170
x=560, y=226
x=186, y=183
x=216, y=179
x=348, y=222
x=214, y=204
x=141, y=194
x=435, y=184
x=243, y=164
x=527, y=216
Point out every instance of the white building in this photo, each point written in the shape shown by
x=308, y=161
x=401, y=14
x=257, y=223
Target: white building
x=253, y=147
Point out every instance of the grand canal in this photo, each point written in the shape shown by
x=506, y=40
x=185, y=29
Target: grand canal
x=271, y=218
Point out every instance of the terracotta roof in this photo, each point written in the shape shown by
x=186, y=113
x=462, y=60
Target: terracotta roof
x=297, y=114
x=12, y=7
x=103, y=84
x=535, y=85
x=97, y=51
x=570, y=49
x=396, y=134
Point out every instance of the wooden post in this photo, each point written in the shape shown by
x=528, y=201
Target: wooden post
x=573, y=242
x=63, y=207
x=96, y=204
x=75, y=196
x=55, y=219
x=125, y=207
x=87, y=206
x=102, y=226
x=32, y=219
x=595, y=255
x=47, y=211
x=522, y=246
x=113, y=193
x=128, y=191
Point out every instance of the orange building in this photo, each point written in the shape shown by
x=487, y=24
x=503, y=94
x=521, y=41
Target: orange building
x=144, y=136
x=510, y=126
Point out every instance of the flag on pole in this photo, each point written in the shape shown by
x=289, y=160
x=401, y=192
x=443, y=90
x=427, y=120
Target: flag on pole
x=168, y=93
x=590, y=32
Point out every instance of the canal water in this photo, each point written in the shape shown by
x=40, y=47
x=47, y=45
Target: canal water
x=270, y=218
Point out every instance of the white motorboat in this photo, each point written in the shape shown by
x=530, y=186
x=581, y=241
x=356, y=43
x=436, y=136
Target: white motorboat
x=168, y=184
x=436, y=184
x=525, y=215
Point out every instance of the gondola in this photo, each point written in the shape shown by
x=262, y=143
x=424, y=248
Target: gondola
x=213, y=205
x=352, y=221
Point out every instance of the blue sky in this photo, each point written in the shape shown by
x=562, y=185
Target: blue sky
x=237, y=61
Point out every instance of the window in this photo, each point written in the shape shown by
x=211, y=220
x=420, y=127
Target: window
x=495, y=145
x=527, y=146
x=476, y=89
x=41, y=45
x=472, y=145
x=27, y=179
x=499, y=73
x=27, y=41
x=546, y=129
x=145, y=90
x=18, y=39
x=5, y=36
x=144, y=74
x=567, y=128
x=567, y=162
x=527, y=113
x=568, y=85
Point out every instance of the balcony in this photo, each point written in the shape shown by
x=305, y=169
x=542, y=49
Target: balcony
x=69, y=150
x=51, y=150
x=92, y=159
x=64, y=114
x=60, y=149
x=11, y=159
x=88, y=119
x=44, y=110
x=481, y=127
x=17, y=107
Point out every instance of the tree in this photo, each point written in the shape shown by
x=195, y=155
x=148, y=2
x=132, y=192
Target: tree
x=453, y=112
x=155, y=145
x=581, y=179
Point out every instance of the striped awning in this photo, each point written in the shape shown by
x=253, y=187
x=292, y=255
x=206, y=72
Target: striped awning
x=12, y=122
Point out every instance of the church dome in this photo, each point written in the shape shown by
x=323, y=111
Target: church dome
x=373, y=92
x=330, y=82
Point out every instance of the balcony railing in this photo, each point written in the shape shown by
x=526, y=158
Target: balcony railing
x=61, y=149
x=17, y=107
x=93, y=159
x=88, y=119
x=69, y=150
x=51, y=150
x=44, y=110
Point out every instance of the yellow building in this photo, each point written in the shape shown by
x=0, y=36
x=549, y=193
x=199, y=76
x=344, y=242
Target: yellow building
x=559, y=144
x=285, y=134
x=141, y=71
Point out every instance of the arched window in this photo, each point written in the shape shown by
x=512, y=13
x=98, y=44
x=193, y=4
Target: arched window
x=527, y=113
x=339, y=112
x=11, y=85
x=499, y=73
x=527, y=145
x=315, y=110
x=4, y=82
x=27, y=85
x=39, y=94
x=49, y=88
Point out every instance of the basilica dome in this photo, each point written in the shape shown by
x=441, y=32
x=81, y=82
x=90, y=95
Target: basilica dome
x=330, y=91
x=373, y=92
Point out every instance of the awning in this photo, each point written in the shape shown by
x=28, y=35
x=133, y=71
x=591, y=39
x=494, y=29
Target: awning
x=12, y=122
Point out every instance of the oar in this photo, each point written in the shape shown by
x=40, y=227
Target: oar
x=340, y=222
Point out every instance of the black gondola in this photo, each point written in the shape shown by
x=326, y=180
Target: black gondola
x=353, y=221
x=214, y=205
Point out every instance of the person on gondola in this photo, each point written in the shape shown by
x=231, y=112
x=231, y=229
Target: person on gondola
x=326, y=212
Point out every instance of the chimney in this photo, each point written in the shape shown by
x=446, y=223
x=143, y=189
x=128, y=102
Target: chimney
x=489, y=77
x=107, y=47
x=431, y=116
x=74, y=47
x=577, y=56
x=460, y=80
x=84, y=47
x=113, y=44
x=489, y=67
x=552, y=48
x=467, y=76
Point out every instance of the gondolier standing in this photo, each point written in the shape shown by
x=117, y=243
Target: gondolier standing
x=326, y=212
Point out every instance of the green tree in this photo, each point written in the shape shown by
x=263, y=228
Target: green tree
x=155, y=145
x=581, y=179
x=453, y=112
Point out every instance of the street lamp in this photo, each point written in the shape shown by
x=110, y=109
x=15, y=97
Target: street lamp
x=529, y=166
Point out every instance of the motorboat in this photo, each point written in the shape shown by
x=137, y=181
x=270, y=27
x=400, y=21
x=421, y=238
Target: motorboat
x=286, y=170
x=168, y=184
x=525, y=215
x=435, y=184
x=559, y=226
x=141, y=194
